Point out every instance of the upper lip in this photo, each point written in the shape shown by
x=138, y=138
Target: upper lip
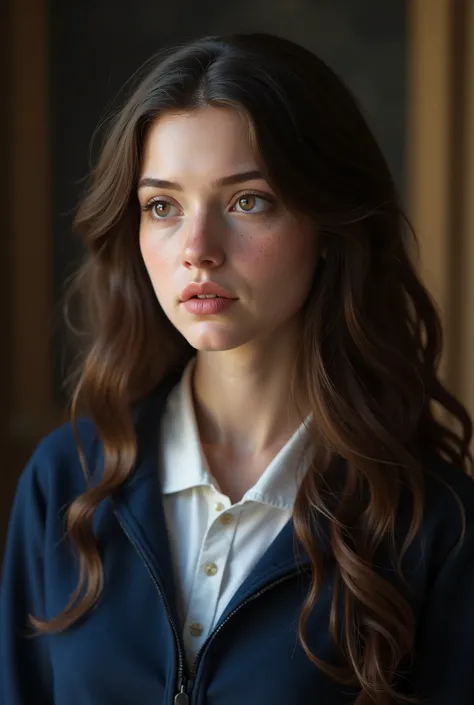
x=202, y=288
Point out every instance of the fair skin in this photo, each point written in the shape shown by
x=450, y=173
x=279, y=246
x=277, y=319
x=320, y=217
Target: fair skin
x=236, y=234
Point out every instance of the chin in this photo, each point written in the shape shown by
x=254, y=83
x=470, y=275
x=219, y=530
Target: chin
x=209, y=339
x=216, y=345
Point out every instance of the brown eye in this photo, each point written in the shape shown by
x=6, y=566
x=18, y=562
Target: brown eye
x=247, y=203
x=251, y=203
x=161, y=209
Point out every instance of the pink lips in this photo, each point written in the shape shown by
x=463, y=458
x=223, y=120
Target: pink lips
x=206, y=307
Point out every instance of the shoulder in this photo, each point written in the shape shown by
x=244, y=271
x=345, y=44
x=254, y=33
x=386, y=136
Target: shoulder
x=62, y=441
x=58, y=463
x=448, y=513
x=52, y=478
x=447, y=488
x=55, y=466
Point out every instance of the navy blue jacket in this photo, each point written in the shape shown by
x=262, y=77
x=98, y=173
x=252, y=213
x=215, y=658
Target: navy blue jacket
x=128, y=650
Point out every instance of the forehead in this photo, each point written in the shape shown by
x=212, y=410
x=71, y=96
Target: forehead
x=209, y=140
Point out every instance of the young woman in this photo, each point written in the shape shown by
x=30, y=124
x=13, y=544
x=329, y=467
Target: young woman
x=264, y=493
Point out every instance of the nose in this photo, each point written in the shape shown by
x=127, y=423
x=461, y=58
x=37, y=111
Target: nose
x=203, y=245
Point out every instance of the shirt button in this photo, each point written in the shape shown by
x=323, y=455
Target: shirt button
x=226, y=519
x=210, y=569
x=196, y=629
x=219, y=507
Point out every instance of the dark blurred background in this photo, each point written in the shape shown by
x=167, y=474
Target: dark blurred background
x=66, y=63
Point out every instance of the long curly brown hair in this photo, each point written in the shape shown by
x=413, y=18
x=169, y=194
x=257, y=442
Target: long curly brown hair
x=371, y=340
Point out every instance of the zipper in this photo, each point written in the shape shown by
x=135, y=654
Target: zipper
x=211, y=636
x=186, y=683
x=182, y=697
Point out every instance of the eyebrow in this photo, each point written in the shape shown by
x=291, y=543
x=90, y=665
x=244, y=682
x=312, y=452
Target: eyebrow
x=149, y=181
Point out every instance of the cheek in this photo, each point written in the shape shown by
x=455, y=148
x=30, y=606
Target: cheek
x=279, y=255
x=157, y=260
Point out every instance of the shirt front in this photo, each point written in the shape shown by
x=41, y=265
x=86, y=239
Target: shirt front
x=214, y=543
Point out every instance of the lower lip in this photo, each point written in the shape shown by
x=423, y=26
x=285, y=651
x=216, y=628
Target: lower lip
x=207, y=307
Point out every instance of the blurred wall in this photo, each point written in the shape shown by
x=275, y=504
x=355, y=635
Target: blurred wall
x=411, y=64
x=440, y=170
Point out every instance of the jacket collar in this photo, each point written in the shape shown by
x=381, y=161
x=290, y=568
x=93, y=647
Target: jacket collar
x=138, y=502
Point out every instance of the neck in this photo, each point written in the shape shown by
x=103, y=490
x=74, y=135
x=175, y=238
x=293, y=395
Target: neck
x=244, y=400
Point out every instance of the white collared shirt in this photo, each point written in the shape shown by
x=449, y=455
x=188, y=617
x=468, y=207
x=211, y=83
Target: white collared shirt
x=214, y=543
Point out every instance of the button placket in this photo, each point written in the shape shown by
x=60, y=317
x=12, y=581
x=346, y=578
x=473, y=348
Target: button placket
x=223, y=505
x=226, y=519
x=210, y=569
x=206, y=588
x=196, y=629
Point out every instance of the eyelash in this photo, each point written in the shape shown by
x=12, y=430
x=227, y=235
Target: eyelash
x=148, y=206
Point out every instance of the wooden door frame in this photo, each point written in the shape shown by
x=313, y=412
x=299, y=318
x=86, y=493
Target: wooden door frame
x=27, y=408
x=441, y=172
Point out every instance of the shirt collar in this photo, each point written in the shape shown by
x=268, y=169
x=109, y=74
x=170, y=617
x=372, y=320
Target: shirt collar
x=184, y=464
x=279, y=483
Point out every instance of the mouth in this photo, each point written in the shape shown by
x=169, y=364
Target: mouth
x=209, y=296
x=207, y=304
x=204, y=290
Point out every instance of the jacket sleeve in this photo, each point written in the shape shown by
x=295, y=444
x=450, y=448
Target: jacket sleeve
x=444, y=672
x=25, y=668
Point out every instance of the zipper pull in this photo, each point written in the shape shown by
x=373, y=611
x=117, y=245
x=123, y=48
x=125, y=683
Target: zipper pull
x=182, y=697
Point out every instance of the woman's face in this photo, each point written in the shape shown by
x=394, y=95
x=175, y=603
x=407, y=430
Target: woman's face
x=209, y=218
